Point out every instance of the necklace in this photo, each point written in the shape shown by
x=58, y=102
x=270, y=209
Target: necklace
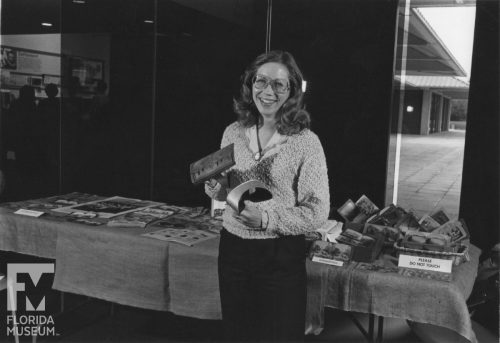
x=258, y=154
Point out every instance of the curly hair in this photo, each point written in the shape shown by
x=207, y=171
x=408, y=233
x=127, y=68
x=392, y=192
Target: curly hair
x=292, y=117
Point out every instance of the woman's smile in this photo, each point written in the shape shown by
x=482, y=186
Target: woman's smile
x=267, y=101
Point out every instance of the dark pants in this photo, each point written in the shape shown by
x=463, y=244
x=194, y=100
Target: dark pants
x=262, y=288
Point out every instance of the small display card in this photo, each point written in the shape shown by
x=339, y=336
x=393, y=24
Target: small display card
x=29, y=213
x=425, y=263
x=327, y=261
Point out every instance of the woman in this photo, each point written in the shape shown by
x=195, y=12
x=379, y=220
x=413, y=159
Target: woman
x=262, y=274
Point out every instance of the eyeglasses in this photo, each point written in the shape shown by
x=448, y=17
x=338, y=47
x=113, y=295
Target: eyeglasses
x=279, y=86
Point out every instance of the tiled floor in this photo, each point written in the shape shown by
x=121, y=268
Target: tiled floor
x=93, y=323
x=430, y=173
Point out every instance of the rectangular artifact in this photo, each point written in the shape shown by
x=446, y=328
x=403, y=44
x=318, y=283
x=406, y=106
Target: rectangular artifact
x=330, y=253
x=212, y=165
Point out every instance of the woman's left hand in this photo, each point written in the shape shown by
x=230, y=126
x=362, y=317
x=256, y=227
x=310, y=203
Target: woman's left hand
x=250, y=216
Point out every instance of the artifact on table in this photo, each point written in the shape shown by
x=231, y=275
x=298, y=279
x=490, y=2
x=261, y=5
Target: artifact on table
x=390, y=234
x=456, y=230
x=389, y=216
x=357, y=212
x=440, y=216
x=428, y=223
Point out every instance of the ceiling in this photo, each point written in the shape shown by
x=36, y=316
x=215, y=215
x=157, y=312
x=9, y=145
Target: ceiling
x=426, y=53
x=450, y=86
x=72, y=16
x=442, y=3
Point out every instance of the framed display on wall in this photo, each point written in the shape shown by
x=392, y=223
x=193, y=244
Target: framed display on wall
x=87, y=71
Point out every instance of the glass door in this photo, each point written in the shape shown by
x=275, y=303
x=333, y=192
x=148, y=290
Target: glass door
x=431, y=90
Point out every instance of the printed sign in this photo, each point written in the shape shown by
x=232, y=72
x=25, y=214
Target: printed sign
x=425, y=263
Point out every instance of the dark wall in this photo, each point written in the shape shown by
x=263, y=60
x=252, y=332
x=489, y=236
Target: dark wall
x=131, y=93
x=109, y=152
x=106, y=149
x=479, y=204
x=345, y=49
x=200, y=61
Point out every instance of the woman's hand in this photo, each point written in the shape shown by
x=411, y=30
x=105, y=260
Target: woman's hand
x=212, y=188
x=251, y=216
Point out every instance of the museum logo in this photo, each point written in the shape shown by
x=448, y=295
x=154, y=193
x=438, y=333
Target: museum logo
x=27, y=287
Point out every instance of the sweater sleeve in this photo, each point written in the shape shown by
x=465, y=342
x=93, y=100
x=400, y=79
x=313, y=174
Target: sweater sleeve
x=313, y=197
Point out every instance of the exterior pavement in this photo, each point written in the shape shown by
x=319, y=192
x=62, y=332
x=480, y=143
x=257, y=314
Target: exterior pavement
x=430, y=173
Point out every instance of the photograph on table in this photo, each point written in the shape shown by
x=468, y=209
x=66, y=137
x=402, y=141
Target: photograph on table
x=109, y=207
x=331, y=251
x=142, y=218
x=65, y=200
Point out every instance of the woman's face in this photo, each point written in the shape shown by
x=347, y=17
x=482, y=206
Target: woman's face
x=271, y=88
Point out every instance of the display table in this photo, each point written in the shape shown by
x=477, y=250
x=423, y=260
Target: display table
x=386, y=294
x=119, y=265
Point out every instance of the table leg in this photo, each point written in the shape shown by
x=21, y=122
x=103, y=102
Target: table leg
x=369, y=335
x=380, y=329
x=61, y=309
x=371, y=322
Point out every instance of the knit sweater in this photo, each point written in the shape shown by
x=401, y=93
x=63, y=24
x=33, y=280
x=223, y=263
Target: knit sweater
x=294, y=171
